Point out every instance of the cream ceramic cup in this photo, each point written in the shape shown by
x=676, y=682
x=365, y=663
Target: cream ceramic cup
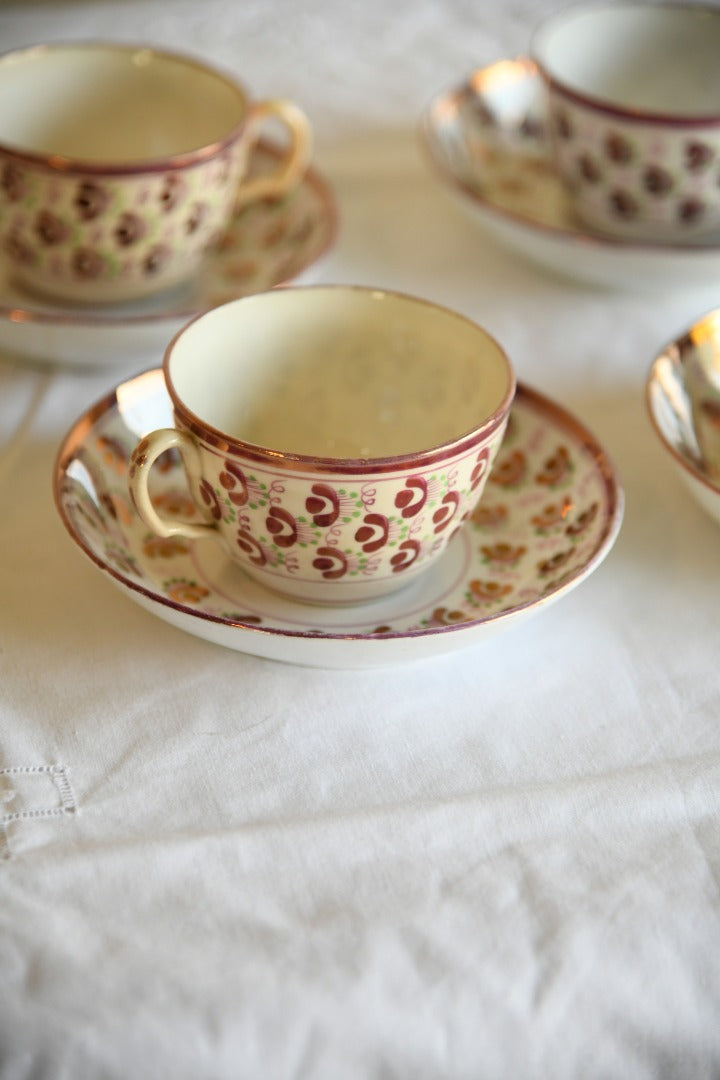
x=334, y=437
x=634, y=104
x=121, y=166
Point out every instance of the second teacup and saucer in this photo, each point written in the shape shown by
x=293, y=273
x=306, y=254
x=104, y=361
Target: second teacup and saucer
x=550, y=503
x=154, y=199
x=501, y=139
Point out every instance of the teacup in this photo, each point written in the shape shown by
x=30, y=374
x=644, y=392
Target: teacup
x=634, y=102
x=334, y=437
x=121, y=166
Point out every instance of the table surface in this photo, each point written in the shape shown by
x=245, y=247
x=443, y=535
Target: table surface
x=501, y=862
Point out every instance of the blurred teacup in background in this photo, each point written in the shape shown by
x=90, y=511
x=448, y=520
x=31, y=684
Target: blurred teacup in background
x=634, y=102
x=120, y=166
x=334, y=437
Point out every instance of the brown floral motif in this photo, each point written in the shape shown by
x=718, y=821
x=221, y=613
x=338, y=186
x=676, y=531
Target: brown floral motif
x=331, y=562
x=412, y=498
x=197, y=215
x=489, y=517
x=480, y=468
x=209, y=497
x=51, y=229
x=562, y=124
x=282, y=527
x=87, y=264
x=251, y=547
x=123, y=560
x=19, y=251
x=129, y=229
x=503, y=553
x=186, y=592
x=698, y=156
x=549, y=566
x=91, y=200
x=553, y=514
x=657, y=181
x=690, y=210
x=445, y=512
x=232, y=479
x=13, y=182
x=165, y=547
x=373, y=533
x=443, y=616
x=623, y=204
x=113, y=453
x=618, y=148
x=138, y=458
x=583, y=521
x=323, y=505
x=556, y=469
x=589, y=169
x=156, y=258
x=510, y=471
x=171, y=192
x=485, y=591
x=174, y=502
x=405, y=556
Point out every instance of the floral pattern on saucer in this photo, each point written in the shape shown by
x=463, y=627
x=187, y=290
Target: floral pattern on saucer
x=550, y=513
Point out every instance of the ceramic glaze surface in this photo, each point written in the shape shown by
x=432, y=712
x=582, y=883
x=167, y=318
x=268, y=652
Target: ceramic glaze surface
x=341, y=373
x=550, y=513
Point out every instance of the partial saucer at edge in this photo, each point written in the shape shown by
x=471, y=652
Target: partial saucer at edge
x=549, y=515
x=269, y=243
x=683, y=402
x=485, y=140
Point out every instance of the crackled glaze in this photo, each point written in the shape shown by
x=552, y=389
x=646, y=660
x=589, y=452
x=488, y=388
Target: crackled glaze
x=550, y=513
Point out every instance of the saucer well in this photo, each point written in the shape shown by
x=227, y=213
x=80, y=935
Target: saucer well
x=485, y=140
x=550, y=513
x=268, y=243
x=683, y=401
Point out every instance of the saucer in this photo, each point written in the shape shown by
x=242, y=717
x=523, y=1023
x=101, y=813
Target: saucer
x=683, y=400
x=269, y=243
x=550, y=513
x=485, y=139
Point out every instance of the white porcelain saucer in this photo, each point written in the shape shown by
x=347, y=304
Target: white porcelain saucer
x=269, y=243
x=550, y=513
x=485, y=139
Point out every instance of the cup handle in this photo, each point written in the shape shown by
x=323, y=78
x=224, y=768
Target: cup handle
x=293, y=166
x=142, y=460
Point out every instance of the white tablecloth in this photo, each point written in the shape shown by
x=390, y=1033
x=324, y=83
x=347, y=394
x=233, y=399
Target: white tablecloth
x=503, y=862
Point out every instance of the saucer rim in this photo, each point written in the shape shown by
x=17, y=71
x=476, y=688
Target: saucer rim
x=547, y=407
x=79, y=317
x=577, y=237
x=692, y=469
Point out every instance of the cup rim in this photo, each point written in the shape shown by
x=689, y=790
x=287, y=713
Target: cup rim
x=74, y=166
x=459, y=445
x=588, y=100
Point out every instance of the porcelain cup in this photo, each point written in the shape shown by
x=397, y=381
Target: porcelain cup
x=334, y=437
x=121, y=166
x=633, y=95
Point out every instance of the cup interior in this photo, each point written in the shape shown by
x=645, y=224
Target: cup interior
x=338, y=372
x=654, y=58
x=112, y=104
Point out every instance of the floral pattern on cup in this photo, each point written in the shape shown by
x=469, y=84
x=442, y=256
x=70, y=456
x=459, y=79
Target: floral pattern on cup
x=629, y=178
x=113, y=232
